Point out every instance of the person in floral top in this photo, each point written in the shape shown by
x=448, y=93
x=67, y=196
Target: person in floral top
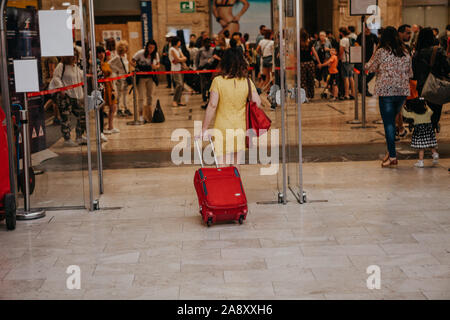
x=393, y=67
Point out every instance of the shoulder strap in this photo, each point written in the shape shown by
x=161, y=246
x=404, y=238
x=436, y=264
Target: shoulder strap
x=123, y=64
x=433, y=56
x=249, y=98
x=62, y=74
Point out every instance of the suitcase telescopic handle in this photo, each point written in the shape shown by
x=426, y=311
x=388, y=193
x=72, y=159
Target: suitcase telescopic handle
x=200, y=154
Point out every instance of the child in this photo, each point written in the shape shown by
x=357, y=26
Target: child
x=332, y=64
x=423, y=135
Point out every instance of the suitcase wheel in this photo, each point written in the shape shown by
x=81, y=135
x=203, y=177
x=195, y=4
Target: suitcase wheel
x=241, y=219
x=209, y=222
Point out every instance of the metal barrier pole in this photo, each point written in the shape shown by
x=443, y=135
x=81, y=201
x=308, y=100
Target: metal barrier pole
x=86, y=103
x=364, y=78
x=356, y=120
x=283, y=99
x=6, y=102
x=136, y=121
x=95, y=86
x=363, y=71
x=302, y=195
x=27, y=213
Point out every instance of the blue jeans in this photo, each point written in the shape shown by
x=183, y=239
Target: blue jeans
x=389, y=108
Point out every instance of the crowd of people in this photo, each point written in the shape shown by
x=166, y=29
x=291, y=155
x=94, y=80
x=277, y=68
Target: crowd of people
x=396, y=56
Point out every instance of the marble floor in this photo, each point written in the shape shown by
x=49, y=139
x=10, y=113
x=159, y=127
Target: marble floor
x=155, y=246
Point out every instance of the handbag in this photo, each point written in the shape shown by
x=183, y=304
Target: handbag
x=158, y=115
x=129, y=80
x=436, y=90
x=257, y=121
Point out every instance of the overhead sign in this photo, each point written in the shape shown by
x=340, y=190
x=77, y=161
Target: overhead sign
x=362, y=7
x=187, y=6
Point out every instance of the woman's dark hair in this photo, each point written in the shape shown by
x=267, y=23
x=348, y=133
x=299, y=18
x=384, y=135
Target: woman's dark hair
x=391, y=42
x=233, y=64
x=100, y=49
x=147, y=50
x=267, y=34
x=207, y=43
x=417, y=106
x=175, y=41
x=304, y=39
x=426, y=39
x=110, y=44
x=226, y=33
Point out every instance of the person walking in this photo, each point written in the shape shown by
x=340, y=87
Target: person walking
x=120, y=66
x=205, y=62
x=371, y=44
x=392, y=64
x=177, y=58
x=266, y=50
x=423, y=136
x=423, y=65
x=323, y=48
x=110, y=93
x=332, y=64
x=146, y=60
x=347, y=67
x=307, y=52
x=70, y=101
x=229, y=93
x=165, y=58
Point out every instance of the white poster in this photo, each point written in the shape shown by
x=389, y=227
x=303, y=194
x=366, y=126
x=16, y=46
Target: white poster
x=115, y=34
x=360, y=7
x=26, y=75
x=55, y=32
x=356, y=54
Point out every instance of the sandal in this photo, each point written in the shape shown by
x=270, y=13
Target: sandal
x=390, y=163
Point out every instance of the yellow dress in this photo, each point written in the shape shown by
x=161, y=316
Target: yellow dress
x=230, y=114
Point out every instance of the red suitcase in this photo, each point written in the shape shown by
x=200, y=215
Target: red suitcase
x=221, y=196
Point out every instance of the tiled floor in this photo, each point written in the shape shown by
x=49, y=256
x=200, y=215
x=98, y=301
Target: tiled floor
x=156, y=247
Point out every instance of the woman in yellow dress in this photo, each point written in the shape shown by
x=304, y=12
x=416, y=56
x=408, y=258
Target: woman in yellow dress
x=223, y=12
x=228, y=98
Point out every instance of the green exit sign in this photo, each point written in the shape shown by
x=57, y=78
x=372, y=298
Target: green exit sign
x=187, y=6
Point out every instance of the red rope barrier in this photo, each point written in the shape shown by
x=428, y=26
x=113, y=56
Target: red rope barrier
x=43, y=93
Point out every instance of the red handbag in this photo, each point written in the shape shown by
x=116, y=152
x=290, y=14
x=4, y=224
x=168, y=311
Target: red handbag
x=257, y=121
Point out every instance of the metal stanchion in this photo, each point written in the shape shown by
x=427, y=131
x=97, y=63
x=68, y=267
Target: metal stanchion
x=364, y=78
x=136, y=121
x=356, y=120
x=27, y=213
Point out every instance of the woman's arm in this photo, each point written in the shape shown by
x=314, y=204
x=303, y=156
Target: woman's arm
x=374, y=63
x=177, y=58
x=210, y=111
x=315, y=54
x=244, y=10
x=157, y=65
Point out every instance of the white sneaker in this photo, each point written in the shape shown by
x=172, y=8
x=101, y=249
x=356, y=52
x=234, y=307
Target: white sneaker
x=103, y=138
x=436, y=158
x=107, y=131
x=70, y=143
x=419, y=164
x=115, y=130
